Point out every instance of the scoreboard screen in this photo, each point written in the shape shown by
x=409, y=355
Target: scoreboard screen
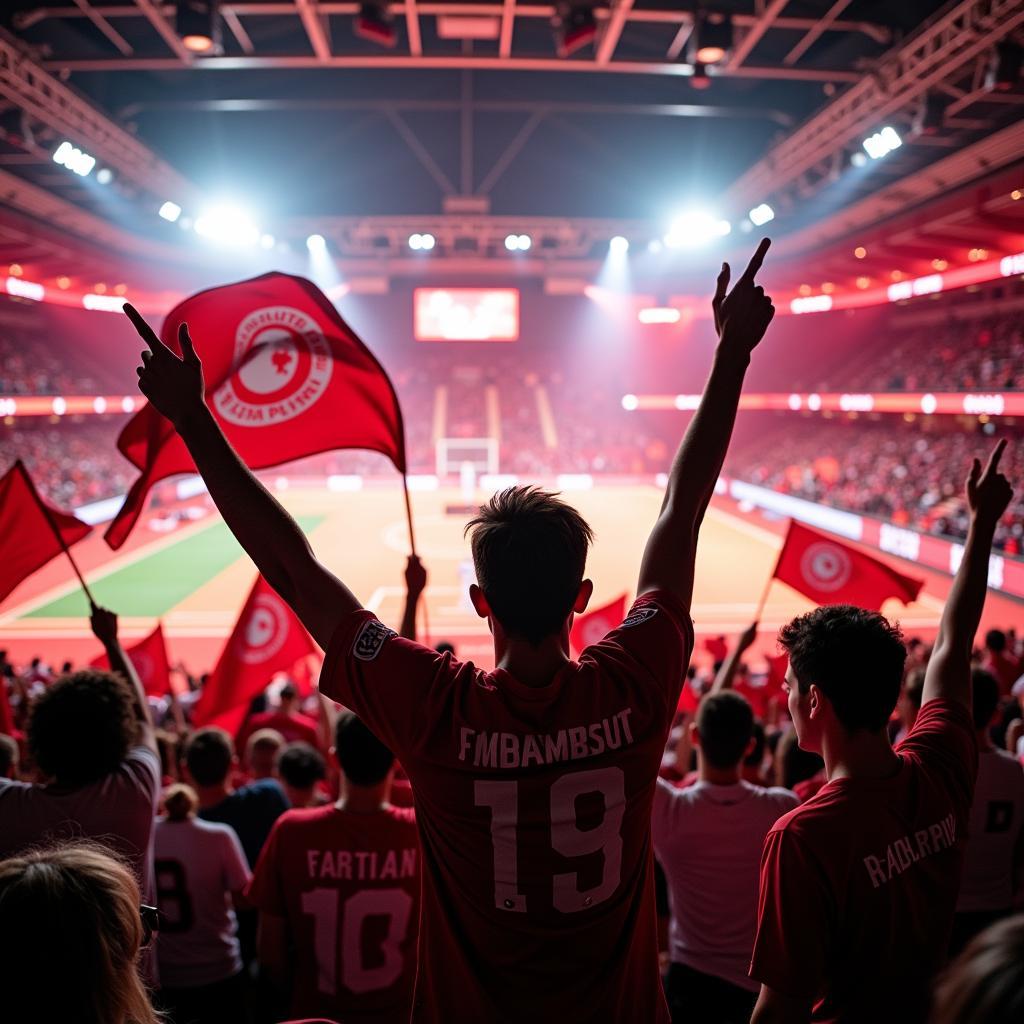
x=466, y=314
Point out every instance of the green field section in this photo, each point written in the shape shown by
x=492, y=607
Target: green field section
x=155, y=584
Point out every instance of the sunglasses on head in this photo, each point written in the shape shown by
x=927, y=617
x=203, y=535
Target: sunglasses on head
x=150, y=917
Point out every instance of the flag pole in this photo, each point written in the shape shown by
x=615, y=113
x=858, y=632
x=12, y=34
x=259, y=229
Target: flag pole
x=412, y=551
x=67, y=551
x=771, y=579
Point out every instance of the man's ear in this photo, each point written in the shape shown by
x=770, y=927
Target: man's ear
x=586, y=592
x=816, y=707
x=480, y=605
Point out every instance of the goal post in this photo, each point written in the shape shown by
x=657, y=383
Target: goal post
x=479, y=453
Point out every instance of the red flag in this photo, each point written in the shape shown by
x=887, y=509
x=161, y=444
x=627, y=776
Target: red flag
x=267, y=638
x=149, y=656
x=592, y=627
x=830, y=572
x=28, y=529
x=717, y=647
x=689, y=699
x=285, y=378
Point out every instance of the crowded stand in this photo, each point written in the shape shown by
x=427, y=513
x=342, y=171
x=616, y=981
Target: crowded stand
x=896, y=473
x=487, y=545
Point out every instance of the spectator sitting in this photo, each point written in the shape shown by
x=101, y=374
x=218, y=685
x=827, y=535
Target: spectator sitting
x=201, y=874
x=10, y=756
x=992, y=861
x=286, y=719
x=250, y=810
x=91, y=738
x=708, y=839
x=985, y=984
x=71, y=929
x=301, y=769
x=261, y=753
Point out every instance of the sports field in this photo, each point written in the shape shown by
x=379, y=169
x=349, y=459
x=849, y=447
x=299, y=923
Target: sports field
x=195, y=578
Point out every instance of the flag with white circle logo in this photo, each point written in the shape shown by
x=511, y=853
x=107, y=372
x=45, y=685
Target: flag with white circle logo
x=829, y=571
x=285, y=376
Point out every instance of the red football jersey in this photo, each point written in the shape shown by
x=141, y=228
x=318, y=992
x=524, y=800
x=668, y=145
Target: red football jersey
x=859, y=884
x=294, y=727
x=534, y=810
x=348, y=887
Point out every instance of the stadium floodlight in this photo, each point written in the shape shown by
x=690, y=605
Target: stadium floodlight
x=882, y=143
x=515, y=243
x=575, y=26
x=695, y=228
x=170, y=211
x=227, y=225
x=267, y=241
x=761, y=215
x=619, y=245
x=712, y=37
x=422, y=242
x=630, y=402
x=104, y=175
x=525, y=243
x=374, y=23
x=316, y=243
x=198, y=24
x=74, y=159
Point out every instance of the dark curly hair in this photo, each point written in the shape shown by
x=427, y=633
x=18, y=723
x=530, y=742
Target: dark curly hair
x=529, y=552
x=854, y=656
x=82, y=727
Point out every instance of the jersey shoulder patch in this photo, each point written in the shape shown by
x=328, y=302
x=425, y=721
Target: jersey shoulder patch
x=371, y=639
x=641, y=615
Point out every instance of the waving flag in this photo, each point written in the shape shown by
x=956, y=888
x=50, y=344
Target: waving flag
x=830, y=572
x=285, y=377
x=31, y=532
x=267, y=638
x=592, y=627
x=149, y=656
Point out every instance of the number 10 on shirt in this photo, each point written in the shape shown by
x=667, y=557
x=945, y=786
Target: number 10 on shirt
x=567, y=838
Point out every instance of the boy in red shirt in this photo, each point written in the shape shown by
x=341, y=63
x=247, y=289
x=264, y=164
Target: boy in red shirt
x=533, y=783
x=859, y=884
x=338, y=890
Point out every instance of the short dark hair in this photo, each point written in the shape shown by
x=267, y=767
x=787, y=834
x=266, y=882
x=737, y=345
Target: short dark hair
x=725, y=723
x=995, y=640
x=208, y=755
x=756, y=755
x=984, y=697
x=301, y=765
x=445, y=647
x=529, y=552
x=854, y=656
x=83, y=726
x=362, y=757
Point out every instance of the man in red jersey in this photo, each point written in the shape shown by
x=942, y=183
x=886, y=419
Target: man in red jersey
x=859, y=884
x=286, y=719
x=533, y=783
x=338, y=890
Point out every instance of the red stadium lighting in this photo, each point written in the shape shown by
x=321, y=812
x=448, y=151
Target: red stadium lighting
x=575, y=27
x=198, y=24
x=700, y=79
x=712, y=37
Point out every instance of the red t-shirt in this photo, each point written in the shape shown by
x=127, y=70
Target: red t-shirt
x=859, y=884
x=534, y=807
x=348, y=886
x=293, y=726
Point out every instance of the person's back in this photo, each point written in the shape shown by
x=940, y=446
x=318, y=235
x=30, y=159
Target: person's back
x=859, y=884
x=708, y=838
x=533, y=783
x=349, y=872
x=996, y=827
x=200, y=870
x=250, y=810
x=104, y=772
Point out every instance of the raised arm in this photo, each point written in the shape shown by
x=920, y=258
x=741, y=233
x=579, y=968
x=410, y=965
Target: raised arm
x=741, y=319
x=269, y=535
x=104, y=628
x=948, y=675
x=726, y=674
x=415, y=584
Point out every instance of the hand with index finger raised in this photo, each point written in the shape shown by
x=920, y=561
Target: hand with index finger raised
x=174, y=386
x=989, y=491
x=742, y=316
